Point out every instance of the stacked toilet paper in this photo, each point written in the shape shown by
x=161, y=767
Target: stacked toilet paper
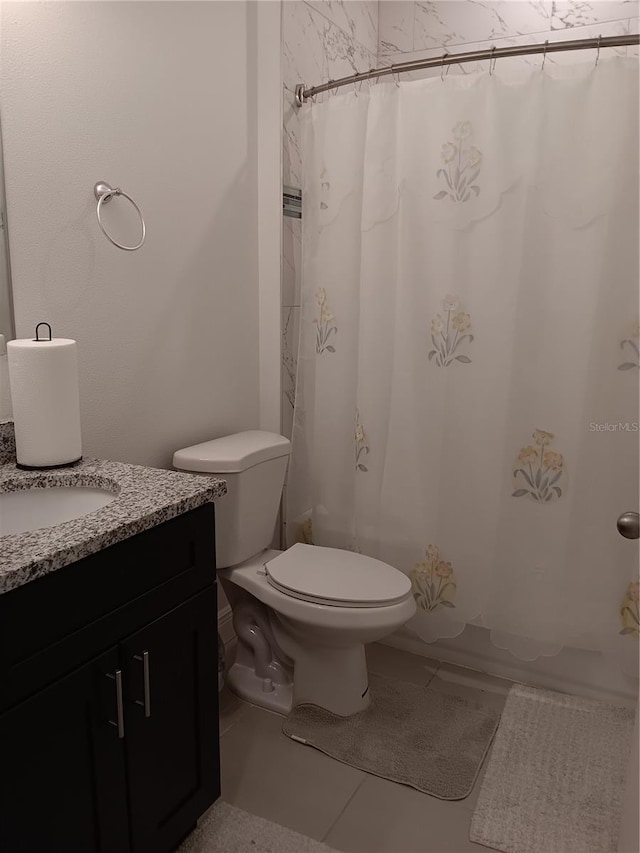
x=46, y=403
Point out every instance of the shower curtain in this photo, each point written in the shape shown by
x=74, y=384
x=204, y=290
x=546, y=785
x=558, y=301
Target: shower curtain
x=467, y=392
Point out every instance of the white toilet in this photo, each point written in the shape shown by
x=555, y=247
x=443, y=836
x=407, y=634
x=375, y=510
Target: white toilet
x=302, y=616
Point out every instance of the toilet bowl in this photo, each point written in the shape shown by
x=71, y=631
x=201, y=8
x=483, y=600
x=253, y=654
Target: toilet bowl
x=302, y=616
x=313, y=645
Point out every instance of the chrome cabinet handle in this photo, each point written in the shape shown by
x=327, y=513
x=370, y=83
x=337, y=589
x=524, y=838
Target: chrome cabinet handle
x=117, y=677
x=147, y=683
x=628, y=525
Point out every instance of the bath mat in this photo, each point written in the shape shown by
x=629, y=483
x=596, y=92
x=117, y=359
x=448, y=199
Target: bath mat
x=409, y=734
x=226, y=829
x=555, y=779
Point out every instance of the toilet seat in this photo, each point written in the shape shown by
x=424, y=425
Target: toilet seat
x=331, y=576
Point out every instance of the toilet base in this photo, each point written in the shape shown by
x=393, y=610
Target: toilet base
x=244, y=682
x=332, y=677
x=336, y=681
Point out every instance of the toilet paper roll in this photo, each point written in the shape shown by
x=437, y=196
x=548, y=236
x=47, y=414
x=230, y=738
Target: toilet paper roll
x=43, y=376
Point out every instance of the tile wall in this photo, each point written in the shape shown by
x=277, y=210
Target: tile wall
x=412, y=30
x=321, y=40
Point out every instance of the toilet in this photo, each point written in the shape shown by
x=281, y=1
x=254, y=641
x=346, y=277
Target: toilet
x=302, y=616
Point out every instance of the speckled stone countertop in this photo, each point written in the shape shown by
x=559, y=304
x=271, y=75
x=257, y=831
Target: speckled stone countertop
x=145, y=497
x=7, y=442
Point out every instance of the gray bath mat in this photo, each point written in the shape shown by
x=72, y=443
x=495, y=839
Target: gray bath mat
x=409, y=734
x=555, y=779
x=226, y=829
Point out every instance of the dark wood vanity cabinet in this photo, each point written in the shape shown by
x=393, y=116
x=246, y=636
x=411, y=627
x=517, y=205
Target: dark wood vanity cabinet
x=172, y=747
x=109, y=727
x=63, y=778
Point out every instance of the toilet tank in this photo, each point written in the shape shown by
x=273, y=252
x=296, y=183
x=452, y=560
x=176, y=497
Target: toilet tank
x=254, y=464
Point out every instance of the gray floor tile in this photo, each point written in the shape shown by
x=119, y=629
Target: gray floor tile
x=393, y=663
x=473, y=678
x=459, y=681
x=267, y=774
x=488, y=689
x=230, y=710
x=384, y=817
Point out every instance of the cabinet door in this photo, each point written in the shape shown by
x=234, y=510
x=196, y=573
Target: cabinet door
x=171, y=717
x=62, y=767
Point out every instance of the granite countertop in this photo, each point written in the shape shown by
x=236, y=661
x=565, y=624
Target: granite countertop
x=145, y=497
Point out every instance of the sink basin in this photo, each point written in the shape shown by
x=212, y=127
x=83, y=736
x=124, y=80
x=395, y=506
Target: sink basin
x=31, y=509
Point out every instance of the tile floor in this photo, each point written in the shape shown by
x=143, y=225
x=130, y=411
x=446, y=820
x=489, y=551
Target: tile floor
x=269, y=775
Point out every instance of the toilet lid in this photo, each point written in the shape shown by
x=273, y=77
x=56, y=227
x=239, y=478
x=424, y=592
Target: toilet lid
x=337, y=577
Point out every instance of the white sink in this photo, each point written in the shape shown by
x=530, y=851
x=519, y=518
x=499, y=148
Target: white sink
x=31, y=509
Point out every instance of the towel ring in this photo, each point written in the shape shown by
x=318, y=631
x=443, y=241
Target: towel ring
x=104, y=193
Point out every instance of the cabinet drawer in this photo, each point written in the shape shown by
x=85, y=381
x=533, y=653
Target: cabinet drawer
x=53, y=624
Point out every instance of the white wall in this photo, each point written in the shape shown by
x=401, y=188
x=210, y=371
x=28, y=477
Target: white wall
x=158, y=98
x=269, y=208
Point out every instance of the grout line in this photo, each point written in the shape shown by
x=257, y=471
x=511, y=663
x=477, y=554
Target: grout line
x=226, y=731
x=435, y=672
x=346, y=805
x=239, y=713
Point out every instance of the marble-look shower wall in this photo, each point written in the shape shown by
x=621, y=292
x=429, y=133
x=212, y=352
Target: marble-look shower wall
x=415, y=30
x=321, y=39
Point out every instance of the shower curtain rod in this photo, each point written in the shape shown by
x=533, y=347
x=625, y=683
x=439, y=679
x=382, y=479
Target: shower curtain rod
x=303, y=93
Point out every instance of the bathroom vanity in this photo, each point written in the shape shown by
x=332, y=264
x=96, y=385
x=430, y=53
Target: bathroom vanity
x=108, y=667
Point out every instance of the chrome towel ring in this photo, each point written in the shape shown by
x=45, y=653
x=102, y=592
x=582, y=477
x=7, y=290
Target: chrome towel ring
x=104, y=193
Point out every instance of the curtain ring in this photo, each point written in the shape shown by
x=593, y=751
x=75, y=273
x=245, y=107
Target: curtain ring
x=544, y=55
x=444, y=56
x=598, y=53
x=492, y=61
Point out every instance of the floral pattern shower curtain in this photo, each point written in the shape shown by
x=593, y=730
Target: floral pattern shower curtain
x=467, y=397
